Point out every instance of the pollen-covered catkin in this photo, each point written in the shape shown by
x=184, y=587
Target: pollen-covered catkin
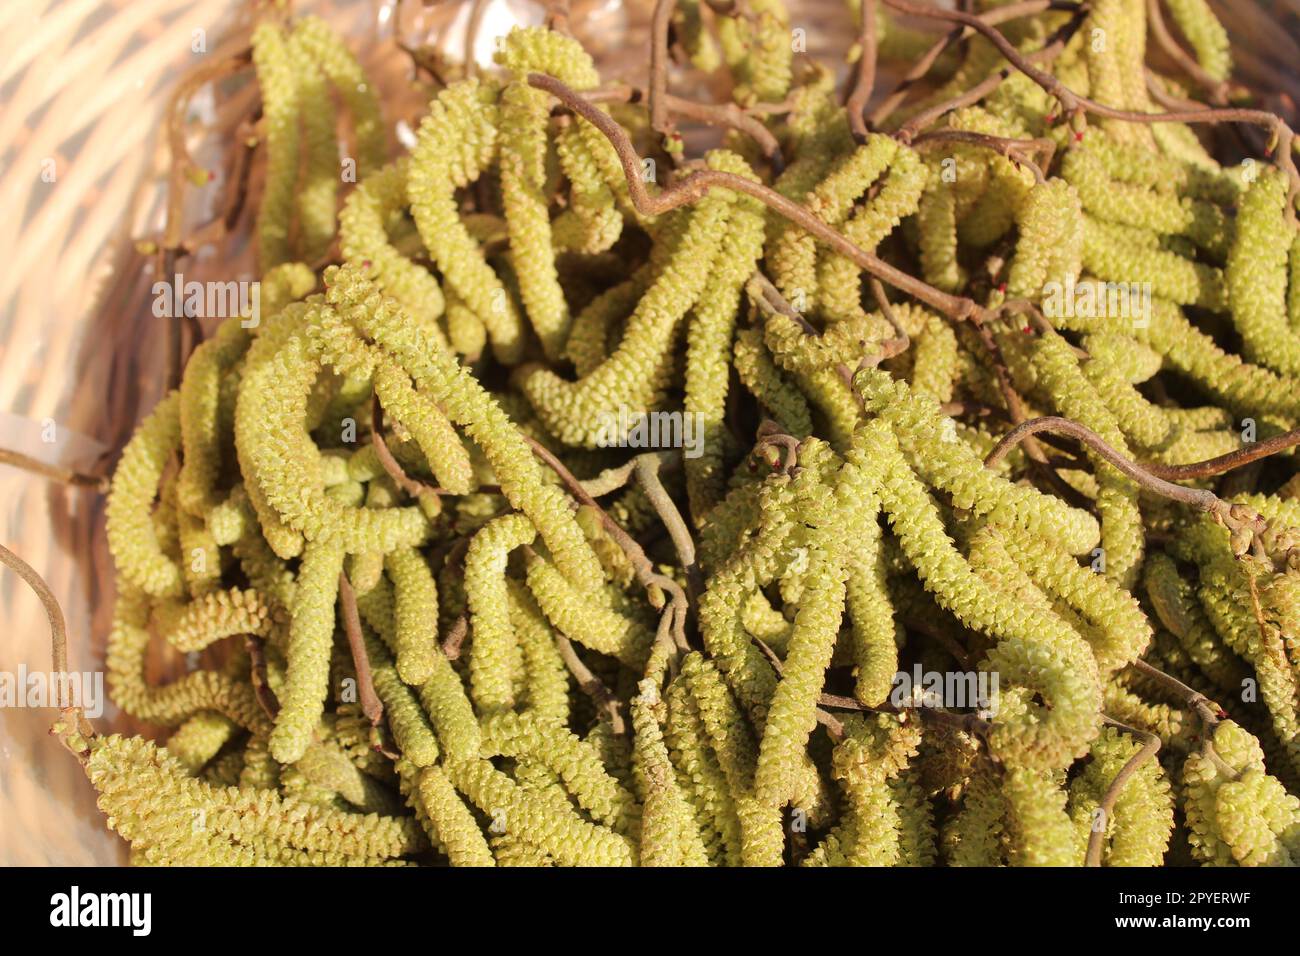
x=635, y=474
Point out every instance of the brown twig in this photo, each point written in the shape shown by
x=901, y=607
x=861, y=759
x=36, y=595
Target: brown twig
x=1016, y=150
x=922, y=66
x=181, y=168
x=647, y=473
x=901, y=341
x=770, y=300
x=1218, y=91
x=834, y=726
x=1202, y=499
x=1150, y=747
x=266, y=698
x=864, y=83
x=612, y=479
x=655, y=584
x=725, y=115
x=371, y=706
x=1225, y=463
x=699, y=182
x=659, y=23
x=456, y=634
x=1207, y=710
x=1283, y=137
x=58, y=629
x=59, y=473
x=412, y=486
x=591, y=685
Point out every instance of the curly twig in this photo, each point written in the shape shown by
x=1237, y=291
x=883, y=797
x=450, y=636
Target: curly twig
x=1283, y=137
x=1150, y=746
x=1225, y=463
x=865, y=75
x=698, y=183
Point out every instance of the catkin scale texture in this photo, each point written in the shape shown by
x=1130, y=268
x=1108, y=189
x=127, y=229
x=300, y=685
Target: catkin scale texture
x=568, y=485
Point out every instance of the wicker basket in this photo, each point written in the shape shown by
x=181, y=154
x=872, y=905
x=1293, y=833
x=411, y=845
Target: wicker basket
x=86, y=85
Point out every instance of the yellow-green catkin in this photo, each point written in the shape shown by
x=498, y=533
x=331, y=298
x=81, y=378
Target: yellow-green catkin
x=485, y=587
x=280, y=111
x=1256, y=275
x=311, y=634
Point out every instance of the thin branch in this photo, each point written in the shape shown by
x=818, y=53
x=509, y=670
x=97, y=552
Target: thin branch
x=266, y=698
x=647, y=473
x=371, y=706
x=612, y=479
x=58, y=629
x=655, y=584
x=1283, y=137
x=1207, y=710
x=1148, y=750
x=412, y=486
x=59, y=473
x=922, y=66
x=182, y=168
x=659, y=23
x=698, y=183
x=901, y=341
x=1225, y=463
x=1218, y=91
x=1016, y=150
x=1231, y=516
x=591, y=685
x=728, y=115
x=770, y=300
x=865, y=76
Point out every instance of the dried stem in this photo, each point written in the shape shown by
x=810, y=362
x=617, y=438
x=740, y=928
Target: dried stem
x=58, y=629
x=1207, y=710
x=1218, y=91
x=864, y=83
x=647, y=473
x=181, y=168
x=1283, y=137
x=1150, y=746
x=1225, y=463
x=612, y=479
x=922, y=66
x=655, y=584
x=59, y=473
x=371, y=706
x=659, y=23
x=591, y=685
x=698, y=183
x=1199, y=498
x=412, y=486
x=1016, y=150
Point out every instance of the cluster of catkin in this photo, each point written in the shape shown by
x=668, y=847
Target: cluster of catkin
x=456, y=625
